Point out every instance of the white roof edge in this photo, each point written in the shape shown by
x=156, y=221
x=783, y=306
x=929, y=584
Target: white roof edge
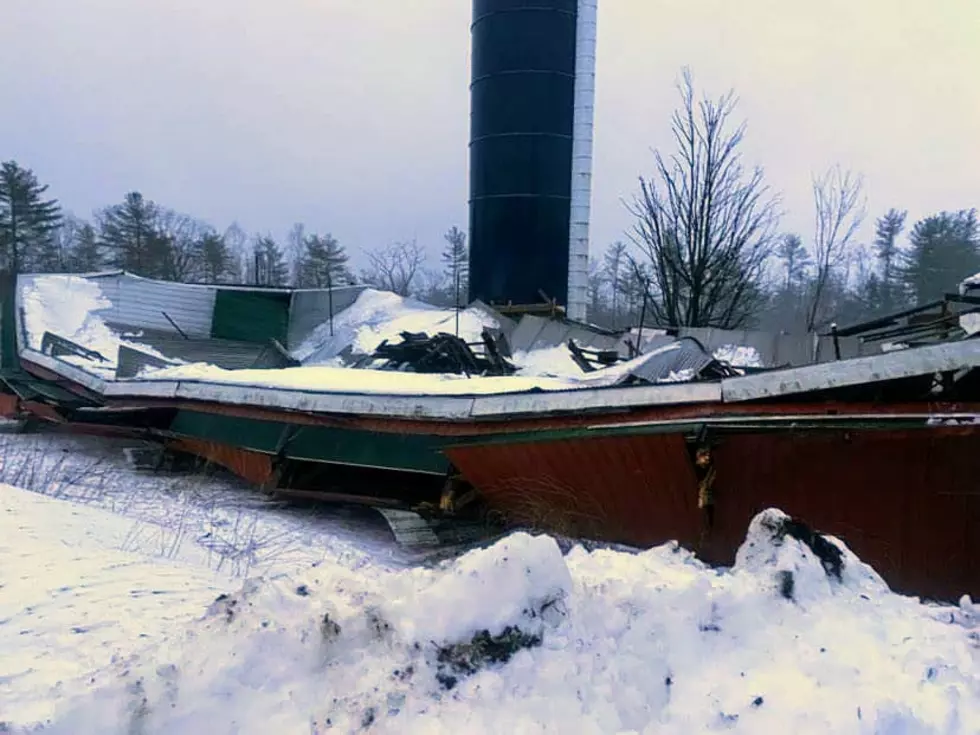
x=223, y=286
x=400, y=406
x=837, y=374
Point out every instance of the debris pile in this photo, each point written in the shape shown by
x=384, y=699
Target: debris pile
x=443, y=353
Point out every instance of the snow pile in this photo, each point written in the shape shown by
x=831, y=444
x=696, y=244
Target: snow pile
x=364, y=382
x=377, y=316
x=68, y=306
x=521, y=638
x=553, y=362
x=969, y=283
x=739, y=356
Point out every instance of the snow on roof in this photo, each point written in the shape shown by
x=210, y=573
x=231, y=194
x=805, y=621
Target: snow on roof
x=377, y=316
x=517, y=637
x=970, y=283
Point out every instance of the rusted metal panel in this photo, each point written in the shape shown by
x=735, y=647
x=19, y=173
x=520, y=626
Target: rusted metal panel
x=908, y=503
x=639, y=490
x=9, y=406
x=252, y=466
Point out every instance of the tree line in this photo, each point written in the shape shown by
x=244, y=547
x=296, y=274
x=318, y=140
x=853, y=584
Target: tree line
x=706, y=248
x=145, y=238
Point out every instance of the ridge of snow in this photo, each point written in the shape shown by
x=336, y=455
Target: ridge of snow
x=610, y=642
x=376, y=316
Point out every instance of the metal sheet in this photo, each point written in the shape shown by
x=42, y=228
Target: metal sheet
x=638, y=490
x=908, y=503
x=311, y=309
x=879, y=368
x=252, y=466
x=141, y=302
x=582, y=134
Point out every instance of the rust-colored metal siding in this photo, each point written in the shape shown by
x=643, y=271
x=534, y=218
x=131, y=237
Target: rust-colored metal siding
x=906, y=502
x=9, y=406
x=252, y=466
x=638, y=489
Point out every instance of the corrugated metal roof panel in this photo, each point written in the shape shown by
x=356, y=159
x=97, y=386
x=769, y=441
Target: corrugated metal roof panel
x=141, y=303
x=310, y=309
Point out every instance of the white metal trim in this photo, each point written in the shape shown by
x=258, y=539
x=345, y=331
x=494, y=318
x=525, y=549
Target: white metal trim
x=582, y=144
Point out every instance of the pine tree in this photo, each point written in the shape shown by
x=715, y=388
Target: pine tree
x=887, y=230
x=455, y=258
x=28, y=221
x=129, y=232
x=324, y=262
x=269, y=263
x=214, y=256
x=945, y=248
x=86, y=254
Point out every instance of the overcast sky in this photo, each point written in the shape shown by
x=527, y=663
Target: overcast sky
x=352, y=115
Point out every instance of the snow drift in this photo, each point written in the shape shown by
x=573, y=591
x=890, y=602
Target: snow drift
x=520, y=637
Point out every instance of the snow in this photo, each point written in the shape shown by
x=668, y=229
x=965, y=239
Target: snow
x=377, y=316
x=586, y=642
x=68, y=307
x=739, y=356
x=968, y=283
x=349, y=380
x=554, y=362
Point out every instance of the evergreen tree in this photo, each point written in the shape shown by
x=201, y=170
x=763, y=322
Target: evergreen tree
x=455, y=257
x=269, y=263
x=28, y=221
x=324, y=262
x=887, y=230
x=129, y=232
x=214, y=256
x=796, y=259
x=945, y=248
x=86, y=254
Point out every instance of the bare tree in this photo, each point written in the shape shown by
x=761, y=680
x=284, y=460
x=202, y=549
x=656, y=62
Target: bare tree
x=839, y=210
x=705, y=224
x=174, y=247
x=395, y=267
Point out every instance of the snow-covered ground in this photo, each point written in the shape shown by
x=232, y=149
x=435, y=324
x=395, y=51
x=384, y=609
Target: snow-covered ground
x=107, y=628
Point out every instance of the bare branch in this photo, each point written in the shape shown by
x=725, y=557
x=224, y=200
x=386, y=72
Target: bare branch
x=839, y=209
x=395, y=267
x=705, y=225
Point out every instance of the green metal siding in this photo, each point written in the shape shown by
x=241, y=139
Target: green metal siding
x=8, y=326
x=250, y=316
x=406, y=452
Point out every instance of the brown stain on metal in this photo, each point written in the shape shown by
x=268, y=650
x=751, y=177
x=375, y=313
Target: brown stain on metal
x=252, y=466
x=639, y=489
